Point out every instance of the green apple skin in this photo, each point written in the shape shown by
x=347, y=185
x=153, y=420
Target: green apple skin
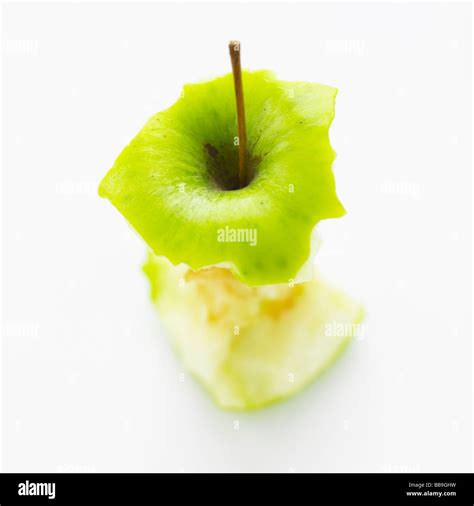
x=176, y=181
x=250, y=346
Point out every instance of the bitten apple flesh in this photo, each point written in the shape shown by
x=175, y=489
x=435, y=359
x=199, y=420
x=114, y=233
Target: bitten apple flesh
x=250, y=346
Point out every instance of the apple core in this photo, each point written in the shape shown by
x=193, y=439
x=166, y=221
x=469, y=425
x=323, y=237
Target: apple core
x=227, y=196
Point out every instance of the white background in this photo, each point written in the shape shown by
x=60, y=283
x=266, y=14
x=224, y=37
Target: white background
x=89, y=382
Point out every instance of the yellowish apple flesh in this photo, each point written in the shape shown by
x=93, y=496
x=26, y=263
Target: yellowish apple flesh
x=251, y=346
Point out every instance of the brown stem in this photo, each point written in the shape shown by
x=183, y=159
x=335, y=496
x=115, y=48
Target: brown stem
x=234, y=50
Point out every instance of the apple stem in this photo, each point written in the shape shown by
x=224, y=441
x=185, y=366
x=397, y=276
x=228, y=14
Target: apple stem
x=234, y=50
